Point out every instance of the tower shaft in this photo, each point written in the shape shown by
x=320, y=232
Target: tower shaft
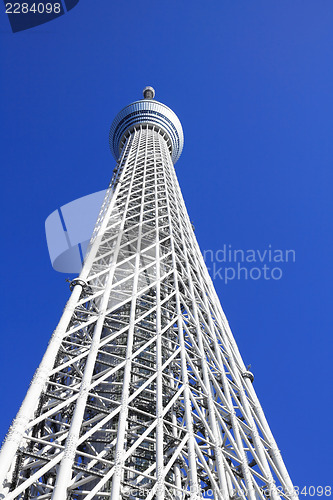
x=142, y=392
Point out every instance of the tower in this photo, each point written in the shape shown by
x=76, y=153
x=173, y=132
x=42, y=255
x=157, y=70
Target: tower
x=142, y=392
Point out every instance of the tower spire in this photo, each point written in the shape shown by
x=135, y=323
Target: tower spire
x=148, y=93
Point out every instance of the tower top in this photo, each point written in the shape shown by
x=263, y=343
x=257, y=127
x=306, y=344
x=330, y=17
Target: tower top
x=148, y=112
x=148, y=93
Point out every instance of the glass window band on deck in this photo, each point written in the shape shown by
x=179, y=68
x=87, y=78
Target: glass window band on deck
x=146, y=112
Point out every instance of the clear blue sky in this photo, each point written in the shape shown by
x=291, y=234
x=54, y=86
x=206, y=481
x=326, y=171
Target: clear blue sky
x=252, y=84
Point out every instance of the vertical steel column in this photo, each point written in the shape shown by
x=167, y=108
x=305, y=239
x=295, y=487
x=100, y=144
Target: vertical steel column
x=159, y=361
x=122, y=423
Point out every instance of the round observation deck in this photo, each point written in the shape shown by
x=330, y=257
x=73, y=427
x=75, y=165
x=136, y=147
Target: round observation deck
x=149, y=112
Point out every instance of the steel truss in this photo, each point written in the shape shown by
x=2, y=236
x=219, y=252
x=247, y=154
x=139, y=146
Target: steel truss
x=142, y=392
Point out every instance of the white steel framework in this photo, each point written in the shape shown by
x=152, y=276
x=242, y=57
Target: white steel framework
x=142, y=392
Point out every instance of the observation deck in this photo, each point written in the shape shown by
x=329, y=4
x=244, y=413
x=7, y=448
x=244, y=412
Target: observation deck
x=149, y=112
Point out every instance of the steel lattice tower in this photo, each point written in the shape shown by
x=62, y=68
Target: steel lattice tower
x=142, y=392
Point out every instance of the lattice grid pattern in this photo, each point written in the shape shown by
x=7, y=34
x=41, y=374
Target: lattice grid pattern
x=142, y=392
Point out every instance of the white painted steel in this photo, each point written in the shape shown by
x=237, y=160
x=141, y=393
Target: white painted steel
x=141, y=392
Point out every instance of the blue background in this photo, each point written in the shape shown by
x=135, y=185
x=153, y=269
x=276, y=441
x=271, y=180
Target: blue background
x=251, y=82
